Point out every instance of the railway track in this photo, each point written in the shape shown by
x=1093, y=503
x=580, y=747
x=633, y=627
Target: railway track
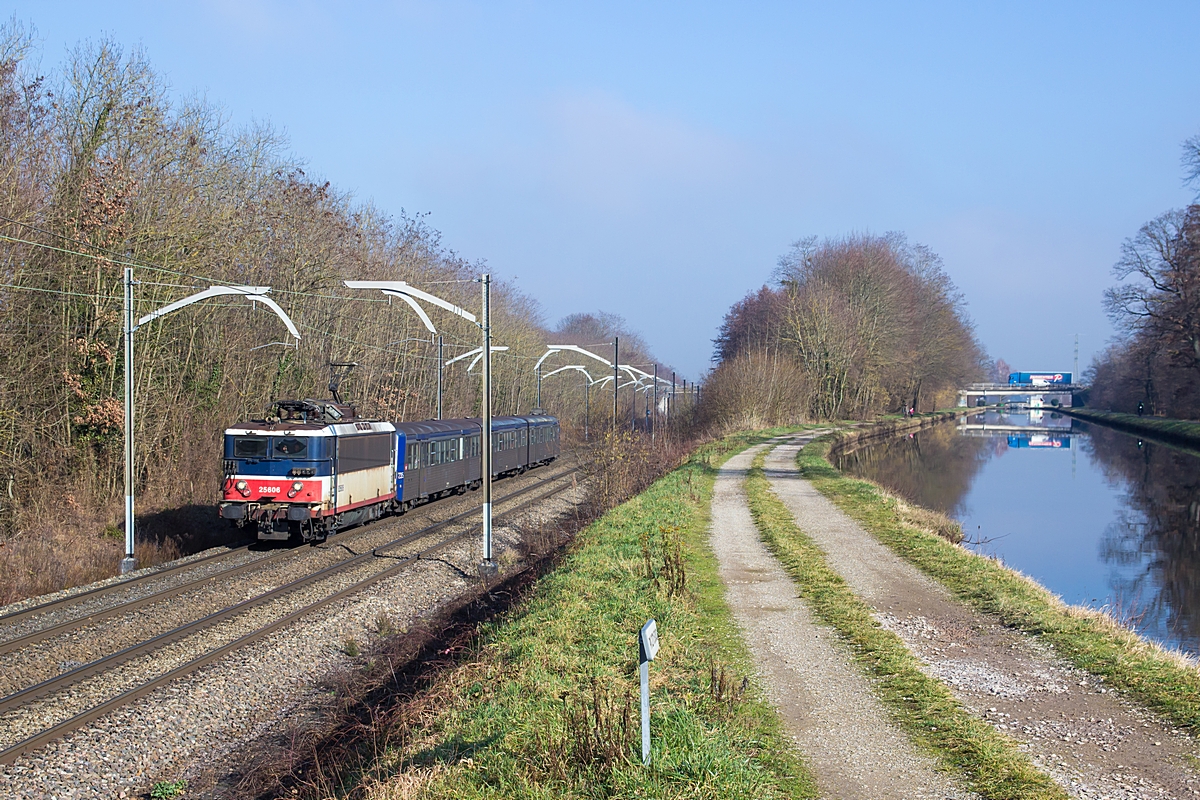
x=250, y=619
x=28, y=631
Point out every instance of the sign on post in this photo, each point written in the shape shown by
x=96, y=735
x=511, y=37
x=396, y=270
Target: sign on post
x=647, y=650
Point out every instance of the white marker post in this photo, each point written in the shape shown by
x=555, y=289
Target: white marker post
x=647, y=650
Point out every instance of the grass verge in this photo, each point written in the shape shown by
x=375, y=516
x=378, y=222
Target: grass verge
x=1160, y=679
x=989, y=762
x=546, y=705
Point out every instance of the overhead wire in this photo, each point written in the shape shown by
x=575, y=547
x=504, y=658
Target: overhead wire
x=114, y=257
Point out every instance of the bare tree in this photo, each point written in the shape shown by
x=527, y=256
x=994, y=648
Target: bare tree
x=1160, y=296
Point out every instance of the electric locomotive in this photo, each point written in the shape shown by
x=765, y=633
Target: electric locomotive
x=314, y=467
x=310, y=468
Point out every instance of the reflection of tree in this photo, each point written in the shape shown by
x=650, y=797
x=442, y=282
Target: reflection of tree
x=933, y=468
x=1161, y=529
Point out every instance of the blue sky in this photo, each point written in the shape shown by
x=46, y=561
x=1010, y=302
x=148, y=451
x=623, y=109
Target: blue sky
x=654, y=160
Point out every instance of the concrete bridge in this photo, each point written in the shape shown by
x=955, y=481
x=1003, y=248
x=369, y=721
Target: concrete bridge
x=1034, y=395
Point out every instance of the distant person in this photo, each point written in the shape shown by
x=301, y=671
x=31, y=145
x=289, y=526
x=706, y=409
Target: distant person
x=1141, y=408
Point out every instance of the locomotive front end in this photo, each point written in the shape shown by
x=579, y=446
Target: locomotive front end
x=277, y=479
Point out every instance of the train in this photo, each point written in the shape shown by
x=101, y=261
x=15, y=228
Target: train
x=314, y=467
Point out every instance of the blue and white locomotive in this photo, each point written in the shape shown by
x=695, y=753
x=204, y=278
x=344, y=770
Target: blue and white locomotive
x=314, y=467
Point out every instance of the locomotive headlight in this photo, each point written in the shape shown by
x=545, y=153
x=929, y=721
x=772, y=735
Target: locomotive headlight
x=296, y=487
x=243, y=488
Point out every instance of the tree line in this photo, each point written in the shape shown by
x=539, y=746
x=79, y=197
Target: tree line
x=1154, y=362
x=852, y=327
x=100, y=169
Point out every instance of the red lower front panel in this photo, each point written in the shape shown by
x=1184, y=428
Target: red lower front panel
x=279, y=490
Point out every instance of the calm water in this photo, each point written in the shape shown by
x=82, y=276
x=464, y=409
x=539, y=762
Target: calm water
x=1095, y=515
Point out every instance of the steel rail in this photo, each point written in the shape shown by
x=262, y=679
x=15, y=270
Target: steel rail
x=63, y=602
x=14, y=751
x=104, y=663
x=9, y=645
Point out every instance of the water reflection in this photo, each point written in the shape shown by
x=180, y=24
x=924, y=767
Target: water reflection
x=1098, y=516
x=1159, y=526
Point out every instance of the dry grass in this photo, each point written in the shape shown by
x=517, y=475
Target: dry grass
x=70, y=548
x=927, y=520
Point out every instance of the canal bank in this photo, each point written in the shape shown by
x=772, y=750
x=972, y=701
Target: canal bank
x=1169, y=431
x=1090, y=640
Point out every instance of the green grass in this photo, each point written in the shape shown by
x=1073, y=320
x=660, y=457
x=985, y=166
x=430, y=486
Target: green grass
x=988, y=761
x=1159, y=679
x=519, y=717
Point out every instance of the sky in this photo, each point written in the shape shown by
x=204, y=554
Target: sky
x=654, y=160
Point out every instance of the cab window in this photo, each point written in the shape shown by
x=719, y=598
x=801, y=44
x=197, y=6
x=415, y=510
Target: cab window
x=250, y=447
x=291, y=447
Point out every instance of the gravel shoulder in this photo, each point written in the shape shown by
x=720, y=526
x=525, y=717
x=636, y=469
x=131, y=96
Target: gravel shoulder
x=826, y=704
x=193, y=726
x=1090, y=740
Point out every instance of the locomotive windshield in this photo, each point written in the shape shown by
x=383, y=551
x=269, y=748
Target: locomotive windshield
x=290, y=447
x=250, y=447
x=274, y=447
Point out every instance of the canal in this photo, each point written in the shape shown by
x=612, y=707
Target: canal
x=1099, y=517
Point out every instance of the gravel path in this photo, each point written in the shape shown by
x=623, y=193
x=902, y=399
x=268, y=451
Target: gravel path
x=1090, y=740
x=827, y=705
x=191, y=726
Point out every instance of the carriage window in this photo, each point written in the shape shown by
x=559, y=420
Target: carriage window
x=289, y=447
x=250, y=447
x=413, y=460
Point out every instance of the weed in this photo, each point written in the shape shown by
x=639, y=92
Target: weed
x=597, y=734
x=385, y=625
x=350, y=647
x=724, y=688
x=671, y=575
x=166, y=790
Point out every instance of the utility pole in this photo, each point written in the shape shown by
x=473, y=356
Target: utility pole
x=654, y=414
x=671, y=398
x=439, y=398
x=616, y=378
x=1075, y=374
x=487, y=566
x=538, y=405
x=633, y=410
x=128, y=563
x=587, y=391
